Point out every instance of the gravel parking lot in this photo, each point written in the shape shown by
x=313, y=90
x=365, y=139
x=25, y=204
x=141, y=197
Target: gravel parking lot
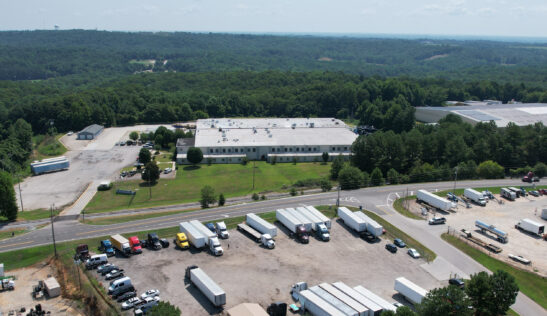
x=504, y=217
x=98, y=159
x=250, y=273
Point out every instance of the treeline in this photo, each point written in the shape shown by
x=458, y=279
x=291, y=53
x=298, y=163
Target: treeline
x=432, y=152
x=387, y=104
x=15, y=144
x=31, y=55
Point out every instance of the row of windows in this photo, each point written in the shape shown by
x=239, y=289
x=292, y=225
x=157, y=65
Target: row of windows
x=279, y=149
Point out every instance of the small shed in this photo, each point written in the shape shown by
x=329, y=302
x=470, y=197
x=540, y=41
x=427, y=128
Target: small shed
x=90, y=132
x=247, y=309
x=52, y=287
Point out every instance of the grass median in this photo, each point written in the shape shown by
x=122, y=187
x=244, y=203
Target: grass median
x=109, y=220
x=531, y=284
x=31, y=215
x=230, y=179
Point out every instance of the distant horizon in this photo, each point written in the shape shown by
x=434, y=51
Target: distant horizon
x=409, y=36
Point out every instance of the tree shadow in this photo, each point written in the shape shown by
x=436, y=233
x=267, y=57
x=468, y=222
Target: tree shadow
x=190, y=168
x=145, y=184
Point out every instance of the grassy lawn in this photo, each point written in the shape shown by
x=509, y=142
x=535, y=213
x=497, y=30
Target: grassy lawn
x=532, y=285
x=32, y=215
x=47, y=146
x=398, y=206
x=230, y=179
x=4, y=234
x=127, y=218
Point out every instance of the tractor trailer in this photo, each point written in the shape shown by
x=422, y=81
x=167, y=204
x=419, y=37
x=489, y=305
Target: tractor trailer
x=502, y=236
x=352, y=220
x=264, y=239
x=211, y=238
x=320, y=215
x=508, y=194
x=195, y=237
x=474, y=196
x=373, y=308
x=331, y=299
x=293, y=224
x=434, y=200
x=346, y=299
x=372, y=226
x=121, y=244
x=303, y=219
x=409, y=290
x=317, y=306
x=214, y=293
x=317, y=224
x=531, y=226
x=261, y=225
x=385, y=305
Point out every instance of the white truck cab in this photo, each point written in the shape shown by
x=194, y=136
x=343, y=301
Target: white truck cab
x=267, y=241
x=221, y=230
x=214, y=246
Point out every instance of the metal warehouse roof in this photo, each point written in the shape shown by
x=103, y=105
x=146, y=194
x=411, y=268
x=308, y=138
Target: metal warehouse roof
x=269, y=123
x=93, y=129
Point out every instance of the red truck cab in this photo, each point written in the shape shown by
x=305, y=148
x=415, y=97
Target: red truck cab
x=135, y=245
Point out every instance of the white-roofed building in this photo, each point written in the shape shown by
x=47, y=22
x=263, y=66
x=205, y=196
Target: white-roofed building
x=231, y=140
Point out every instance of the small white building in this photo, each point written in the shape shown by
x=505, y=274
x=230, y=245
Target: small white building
x=52, y=287
x=283, y=139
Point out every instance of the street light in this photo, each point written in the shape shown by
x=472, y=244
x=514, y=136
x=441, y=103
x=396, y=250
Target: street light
x=52, y=228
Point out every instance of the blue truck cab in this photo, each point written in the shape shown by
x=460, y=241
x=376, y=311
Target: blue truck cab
x=106, y=247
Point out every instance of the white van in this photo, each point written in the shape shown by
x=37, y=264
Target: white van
x=120, y=286
x=96, y=261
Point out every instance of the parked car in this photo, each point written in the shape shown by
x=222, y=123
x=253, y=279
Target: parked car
x=124, y=297
x=534, y=193
x=413, y=253
x=437, y=221
x=108, y=269
x=457, y=282
x=115, y=274
x=391, y=248
x=70, y=133
x=150, y=293
x=130, y=303
x=397, y=304
x=211, y=227
x=167, y=170
x=368, y=236
x=542, y=191
x=399, y=243
x=101, y=268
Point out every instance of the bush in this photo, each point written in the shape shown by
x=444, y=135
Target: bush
x=194, y=155
x=307, y=183
x=293, y=192
x=255, y=197
x=366, y=179
x=207, y=196
x=244, y=161
x=540, y=169
x=263, y=197
x=337, y=165
x=376, y=177
x=392, y=176
x=490, y=170
x=326, y=185
x=274, y=160
x=350, y=178
x=221, y=200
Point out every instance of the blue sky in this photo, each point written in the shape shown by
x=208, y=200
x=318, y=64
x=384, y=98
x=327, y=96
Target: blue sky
x=438, y=17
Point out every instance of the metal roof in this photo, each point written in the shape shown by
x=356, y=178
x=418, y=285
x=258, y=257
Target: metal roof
x=93, y=129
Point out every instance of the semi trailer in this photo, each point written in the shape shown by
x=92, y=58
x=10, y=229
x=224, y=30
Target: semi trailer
x=412, y=292
x=346, y=299
x=214, y=293
x=508, y=194
x=372, y=226
x=293, y=224
x=475, y=196
x=316, y=306
x=264, y=239
x=385, y=305
x=49, y=165
x=373, y=308
x=501, y=236
x=434, y=200
x=196, y=238
x=211, y=238
x=303, y=219
x=531, y=226
x=317, y=224
x=320, y=215
x=352, y=220
x=331, y=299
x=261, y=225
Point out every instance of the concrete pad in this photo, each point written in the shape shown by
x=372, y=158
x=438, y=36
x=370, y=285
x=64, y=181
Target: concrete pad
x=443, y=270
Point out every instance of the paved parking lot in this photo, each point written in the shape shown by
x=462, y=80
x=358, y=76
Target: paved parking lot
x=249, y=273
x=504, y=217
x=98, y=159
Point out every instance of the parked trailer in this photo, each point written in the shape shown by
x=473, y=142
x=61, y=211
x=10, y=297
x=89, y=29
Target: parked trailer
x=474, y=196
x=360, y=308
x=50, y=166
x=434, y=200
x=531, y=226
x=502, y=236
x=261, y=225
x=47, y=160
x=196, y=238
x=320, y=215
x=385, y=305
x=491, y=247
x=317, y=224
x=372, y=226
x=253, y=233
x=508, y=194
x=352, y=220
x=317, y=306
x=409, y=290
x=288, y=220
x=338, y=304
x=373, y=308
x=121, y=244
x=211, y=238
x=214, y=293
x=544, y=214
x=306, y=222
x=518, y=192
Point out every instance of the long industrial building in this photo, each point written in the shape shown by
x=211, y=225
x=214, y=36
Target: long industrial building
x=501, y=114
x=226, y=140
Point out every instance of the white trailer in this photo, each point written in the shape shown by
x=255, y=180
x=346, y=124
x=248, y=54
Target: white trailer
x=508, y=194
x=544, y=213
x=287, y=219
x=409, y=290
x=372, y=226
x=195, y=237
x=360, y=308
x=373, y=308
x=531, y=226
x=338, y=304
x=319, y=215
x=317, y=224
x=475, y=196
x=303, y=219
x=386, y=306
x=317, y=306
x=214, y=293
x=434, y=200
x=352, y=220
x=212, y=239
x=261, y=225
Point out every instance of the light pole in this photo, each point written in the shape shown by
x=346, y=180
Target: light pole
x=338, y=199
x=53, y=229
x=253, y=174
x=20, y=195
x=455, y=180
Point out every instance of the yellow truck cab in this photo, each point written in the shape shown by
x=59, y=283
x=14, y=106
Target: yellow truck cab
x=181, y=241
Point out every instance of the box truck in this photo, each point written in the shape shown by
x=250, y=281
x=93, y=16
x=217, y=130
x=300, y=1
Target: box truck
x=214, y=293
x=317, y=306
x=317, y=224
x=352, y=220
x=121, y=244
x=475, y=196
x=292, y=224
x=409, y=290
x=320, y=215
x=544, y=214
x=211, y=238
x=531, y=226
x=434, y=200
x=373, y=308
x=372, y=226
x=261, y=225
x=195, y=237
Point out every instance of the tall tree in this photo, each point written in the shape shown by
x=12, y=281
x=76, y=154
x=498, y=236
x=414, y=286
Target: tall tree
x=325, y=157
x=350, y=178
x=145, y=156
x=207, y=196
x=450, y=300
x=8, y=202
x=164, y=309
x=337, y=165
x=491, y=295
x=134, y=135
x=151, y=172
x=376, y=177
x=194, y=155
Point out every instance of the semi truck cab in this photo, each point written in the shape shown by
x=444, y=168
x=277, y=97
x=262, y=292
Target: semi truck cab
x=221, y=230
x=135, y=245
x=302, y=234
x=267, y=241
x=182, y=241
x=214, y=246
x=323, y=232
x=106, y=247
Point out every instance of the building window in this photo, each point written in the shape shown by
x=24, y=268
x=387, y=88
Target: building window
x=235, y=150
x=223, y=150
x=333, y=149
x=230, y=159
x=229, y=150
x=297, y=148
x=273, y=149
x=285, y=149
x=242, y=150
x=216, y=150
x=345, y=148
x=248, y=150
x=254, y=149
x=222, y=159
x=238, y=159
x=309, y=149
x=338, y=148
x=210, y=150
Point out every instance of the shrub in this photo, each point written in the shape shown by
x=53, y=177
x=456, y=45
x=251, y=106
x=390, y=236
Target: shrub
x=350, y=178
x=376, y=177
x=255, y=197
x=490, y=170
x=293, y=191
x=326, y=185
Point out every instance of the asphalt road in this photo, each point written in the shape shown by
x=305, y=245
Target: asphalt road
x=377, y=199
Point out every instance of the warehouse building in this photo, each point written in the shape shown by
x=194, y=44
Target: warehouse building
x=520, y=113
x=280, y=139
x=90, y=132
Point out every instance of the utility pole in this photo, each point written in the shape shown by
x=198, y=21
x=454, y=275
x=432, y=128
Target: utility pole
x=455, y=180
x=149, y=185
x=253, y=174
x=53, y=229
x=20, y=195
x=338, y=199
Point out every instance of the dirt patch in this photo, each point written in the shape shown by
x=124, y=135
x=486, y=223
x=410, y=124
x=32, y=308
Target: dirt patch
x=437, y=56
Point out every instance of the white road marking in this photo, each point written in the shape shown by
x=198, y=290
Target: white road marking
x=397, y=193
